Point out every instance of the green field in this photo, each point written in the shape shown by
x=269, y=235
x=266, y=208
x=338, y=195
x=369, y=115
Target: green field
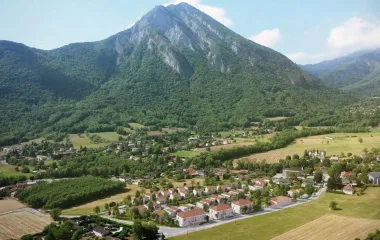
x=136, y=125
x=9, y=170
x=271, y=225
x=84, y=141
x=187, y=154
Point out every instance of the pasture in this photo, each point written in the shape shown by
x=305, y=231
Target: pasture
x=274, y=224
x=9, y=170
x=333, y=144
x=331, y=227
x=15, y=225
x=136, y=125
x=88, y=207
x=84, y=141
x=9, y=205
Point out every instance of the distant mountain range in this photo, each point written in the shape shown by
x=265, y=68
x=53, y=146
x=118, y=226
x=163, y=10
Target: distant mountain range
x=359, y=72
x=176, y=66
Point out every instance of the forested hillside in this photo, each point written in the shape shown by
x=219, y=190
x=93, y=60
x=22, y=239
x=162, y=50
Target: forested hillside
x=176, y=66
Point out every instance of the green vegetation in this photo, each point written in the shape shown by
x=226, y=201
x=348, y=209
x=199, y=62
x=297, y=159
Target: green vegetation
x=186, y=154
x=67, y=193
x=270, y=225
x=93, y=140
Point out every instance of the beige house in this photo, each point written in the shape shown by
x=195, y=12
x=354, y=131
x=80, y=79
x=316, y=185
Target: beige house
x=191, y=217
x=237, y=207
x=220, y=211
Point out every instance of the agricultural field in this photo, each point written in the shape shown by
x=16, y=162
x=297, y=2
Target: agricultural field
x=88, y=207
x=165, y=130
x=274, y=224
x=9, y=205
x=136, y=125
x=274, y=119
x=9, y=170
x=187, y=154
x=333, y=144
x=331, y=227
x=84, y=141
x=15, y=225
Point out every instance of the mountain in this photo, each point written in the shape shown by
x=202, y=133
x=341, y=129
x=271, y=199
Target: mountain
x=176, y=66
x=359, y=70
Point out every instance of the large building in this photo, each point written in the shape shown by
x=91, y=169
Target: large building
x=374, y=177
x=192, y=217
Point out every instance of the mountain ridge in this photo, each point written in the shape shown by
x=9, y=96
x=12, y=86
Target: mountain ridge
x=176, y=66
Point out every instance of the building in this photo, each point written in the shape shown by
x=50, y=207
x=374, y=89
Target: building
x=280, y=201
x=204, y=202
x=160, y=214
x=374, y=177
x=141, y=208
x=100, y=231
x=288, y=171
x=210, y=189
x=294, y=192
x=192, y=217
x=348, y=189
x=307, y=182
x=220, y=211
x=237, y=207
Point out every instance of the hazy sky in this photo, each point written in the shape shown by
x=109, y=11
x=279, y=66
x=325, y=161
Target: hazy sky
x=306, y=31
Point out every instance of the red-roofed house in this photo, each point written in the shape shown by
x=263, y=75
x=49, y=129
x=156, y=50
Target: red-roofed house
x=240, y=204
x=280, y=201
x=160, y=214
x=348, y=189
x=192, y=217
x=141, y=208
x=220, y=211
x=203, y=202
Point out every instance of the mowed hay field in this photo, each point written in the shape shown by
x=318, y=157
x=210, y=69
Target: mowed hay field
x=331, y=227
x=88, y=207
x=17, y=224
x=9, y=205
x=340, y=142
x=274, y=224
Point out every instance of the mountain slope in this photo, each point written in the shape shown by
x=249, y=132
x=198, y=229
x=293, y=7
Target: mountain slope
x=348, y=70
x=175, y=66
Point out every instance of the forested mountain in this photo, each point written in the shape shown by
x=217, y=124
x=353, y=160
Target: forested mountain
x=359, y=71
x=176, y=66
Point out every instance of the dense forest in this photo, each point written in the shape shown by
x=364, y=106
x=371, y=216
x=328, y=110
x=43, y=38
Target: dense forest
x=67, y=193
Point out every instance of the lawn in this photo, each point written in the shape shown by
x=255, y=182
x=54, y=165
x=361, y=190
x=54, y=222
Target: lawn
x=84, y=141
x=187, y=154
x=274, y=224
x=340, y=142
x=136, y=125
x=88, y=207
x=9, y=170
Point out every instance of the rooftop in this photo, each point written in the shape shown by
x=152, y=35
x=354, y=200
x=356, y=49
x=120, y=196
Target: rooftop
x=280, y=199
x=242, y=202
x=191, y=213
x=221, y=207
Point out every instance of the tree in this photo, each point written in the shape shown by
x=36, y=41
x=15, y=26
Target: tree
x=106, y=207
x=55, y=213
x=76, y=236
x=27, y=237
x=318, y=177
x=96, y=210
x=333, y=205
x=360, y=140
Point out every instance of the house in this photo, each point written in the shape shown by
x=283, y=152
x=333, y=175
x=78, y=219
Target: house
x=172, y=211
x=234, y=192
x=210, y=189
x=348, y=189
x=100, y=231
x=294, y=192
x=259, y=186
x=165, y=193
x=223, y=187
x=220, y=211
x=141, y=208
x=197, y=191
x=41, y=157
x=192, y=217
x=161, y=200
x=288, y=171
x=147, y=197
x=192, y=172
x=160, y=214
x=280, y=201
x=216, y=198
x=374, y=177
x=334, y=158
x=175, y=195
x=239, y=205
x=182, y=192
x=204, y=202
x=282, y=181
x=220, y=171
x=307, y=182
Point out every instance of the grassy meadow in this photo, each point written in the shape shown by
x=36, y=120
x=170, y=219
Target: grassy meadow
x=274, y=224
x=84, y=141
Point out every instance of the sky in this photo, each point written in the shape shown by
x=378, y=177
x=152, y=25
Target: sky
x=303, y=30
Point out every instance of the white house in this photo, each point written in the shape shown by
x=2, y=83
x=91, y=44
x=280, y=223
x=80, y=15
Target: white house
x=374, y=177
x=192, y=217
x=220, y=211
x=240, y=204
x=293, y=192
x=197, y=192
x=100, y=231
x=348, y=189
x=210, y=189
x=280, y=201
x=203, y=202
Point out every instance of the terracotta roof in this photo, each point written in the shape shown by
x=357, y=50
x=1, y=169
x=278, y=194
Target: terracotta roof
x=280, y=199
x=140, y=206
x=173, y=208
x=215, y=196
x=191, y=213
x=221, y=207
x=259, y=185
x=242, y=202
x=348, y=187
x=159, y=212
x=192, y=172
x=346, y=174
x=205, y=200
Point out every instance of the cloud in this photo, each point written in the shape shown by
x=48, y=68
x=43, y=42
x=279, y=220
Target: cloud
x=217, y=13
x=267, y=37
x=353, y=35
x=305, y=57
x=350, y=36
